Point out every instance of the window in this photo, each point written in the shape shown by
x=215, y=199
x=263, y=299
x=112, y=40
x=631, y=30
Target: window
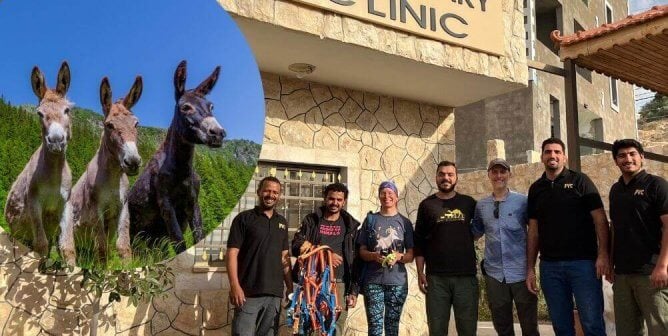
x=555, y=125
x=301, y=195
x=608, y=13
x=586, y=74
x=614, y=95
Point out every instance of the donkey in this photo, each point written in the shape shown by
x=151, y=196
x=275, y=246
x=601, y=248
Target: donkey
x=164, y=199
x=36, y=199
x=98, y=204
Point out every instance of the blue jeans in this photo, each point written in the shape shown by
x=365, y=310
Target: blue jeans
x=561, y=281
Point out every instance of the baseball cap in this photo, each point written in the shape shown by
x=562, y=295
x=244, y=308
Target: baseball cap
x=498, y=162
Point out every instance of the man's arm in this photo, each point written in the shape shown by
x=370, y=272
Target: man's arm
x=287, y=275
x=236, y=292
x=532, y=254
x=659, y=277
x=477, y=225
x=300, y=244
x=602, y=233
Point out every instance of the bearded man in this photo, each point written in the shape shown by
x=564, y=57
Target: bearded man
x=443, y=240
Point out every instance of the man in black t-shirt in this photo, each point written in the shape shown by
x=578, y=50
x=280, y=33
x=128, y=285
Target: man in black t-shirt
x=568, y=225
x=639, y=214
x=443, y=240
x=257, y=259
x=331, y=225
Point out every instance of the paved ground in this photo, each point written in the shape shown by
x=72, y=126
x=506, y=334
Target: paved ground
x=486, y=329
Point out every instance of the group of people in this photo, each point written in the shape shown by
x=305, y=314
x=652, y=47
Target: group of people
x=562, y=218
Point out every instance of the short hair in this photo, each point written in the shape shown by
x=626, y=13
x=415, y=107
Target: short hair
x=268, y=179
x=626, y=143
x=549, y=141
x=338, y=187
x=446, y=163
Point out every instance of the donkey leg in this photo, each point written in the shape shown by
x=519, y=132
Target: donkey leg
x=123, y=234
x=168, y=214
x=40, y=241
x=196, y=224
x=66, y=241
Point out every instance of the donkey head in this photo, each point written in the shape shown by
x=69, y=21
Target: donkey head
x=120, y=125
x=194, y=113
x=53, y=108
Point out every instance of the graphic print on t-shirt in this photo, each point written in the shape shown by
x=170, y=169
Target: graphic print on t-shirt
x=386, y=238
x=330, y=230
x=451, y=215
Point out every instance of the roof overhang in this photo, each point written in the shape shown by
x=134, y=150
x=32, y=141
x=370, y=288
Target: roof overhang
x=634, y=49
x=356, y=67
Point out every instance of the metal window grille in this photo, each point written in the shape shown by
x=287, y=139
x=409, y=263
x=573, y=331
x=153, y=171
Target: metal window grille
x=302, y=188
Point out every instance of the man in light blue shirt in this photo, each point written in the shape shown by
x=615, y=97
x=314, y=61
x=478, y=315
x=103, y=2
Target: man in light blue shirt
x=502, y=219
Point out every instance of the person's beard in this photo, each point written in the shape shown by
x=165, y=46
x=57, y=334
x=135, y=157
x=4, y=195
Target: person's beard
x=447, y=190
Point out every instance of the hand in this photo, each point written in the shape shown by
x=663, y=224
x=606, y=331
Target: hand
x=422, y=282
x=305, y=247
x=351, y=301
x=659, y=277
x=237, y=296
x=337, y=260
x=531, y=282
x=397, y=257
x=611, y=276
x=379, y=258
x=602, y=265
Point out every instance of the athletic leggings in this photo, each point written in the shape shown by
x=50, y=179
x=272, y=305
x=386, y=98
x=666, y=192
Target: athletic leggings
x=383, y=304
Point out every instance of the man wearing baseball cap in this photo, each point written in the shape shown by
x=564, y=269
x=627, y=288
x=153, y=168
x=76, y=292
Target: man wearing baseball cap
x=502, y=218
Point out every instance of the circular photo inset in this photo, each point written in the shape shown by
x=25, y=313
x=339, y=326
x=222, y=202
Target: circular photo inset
x=129, y=128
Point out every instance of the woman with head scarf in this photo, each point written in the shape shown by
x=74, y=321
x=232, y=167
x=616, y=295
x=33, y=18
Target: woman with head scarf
x=386, y=245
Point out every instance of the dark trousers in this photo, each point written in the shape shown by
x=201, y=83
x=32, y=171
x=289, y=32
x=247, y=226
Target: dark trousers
x=501, y=295
x=257, y=316
x=640, y=309
x=457, y=292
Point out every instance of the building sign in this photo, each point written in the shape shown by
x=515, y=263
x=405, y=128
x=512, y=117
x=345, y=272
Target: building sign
x=475, y=24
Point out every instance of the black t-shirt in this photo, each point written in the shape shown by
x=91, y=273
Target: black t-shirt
x=261, y=241
x=635, y=211
x=443, y=235
x=332, y=234
x=563, y=210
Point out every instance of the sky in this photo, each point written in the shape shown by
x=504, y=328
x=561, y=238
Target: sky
x=125, y=38
x=643, y=5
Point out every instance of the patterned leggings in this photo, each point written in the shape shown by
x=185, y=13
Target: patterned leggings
x=383, y=304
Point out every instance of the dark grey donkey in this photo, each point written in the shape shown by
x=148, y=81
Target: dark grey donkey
x=164, y=199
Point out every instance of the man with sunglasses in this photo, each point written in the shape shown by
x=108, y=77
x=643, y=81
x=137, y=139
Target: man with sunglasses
x=502, y=218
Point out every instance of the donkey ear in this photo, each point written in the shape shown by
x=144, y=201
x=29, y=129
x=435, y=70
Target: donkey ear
x=135, y=93
x=180, y=80
x=105, y=96
x=205, y=87
x=63, y=79
x=38, y=84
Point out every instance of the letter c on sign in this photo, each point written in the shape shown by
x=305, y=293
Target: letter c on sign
x=343, y=2
x=444, y=24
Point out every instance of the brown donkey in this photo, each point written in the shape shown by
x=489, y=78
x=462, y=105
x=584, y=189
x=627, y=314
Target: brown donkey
x=163, y=201
x=36, y=199
x=98, y=204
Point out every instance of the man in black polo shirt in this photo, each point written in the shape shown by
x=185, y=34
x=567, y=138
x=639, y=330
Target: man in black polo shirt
x=639, y=214
x=258, y=263
x=333, y=226
x=566, y=219
x=443, y=240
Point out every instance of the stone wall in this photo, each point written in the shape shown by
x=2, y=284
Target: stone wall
x=506, y=117
x=327, y=25
x=386, y=137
